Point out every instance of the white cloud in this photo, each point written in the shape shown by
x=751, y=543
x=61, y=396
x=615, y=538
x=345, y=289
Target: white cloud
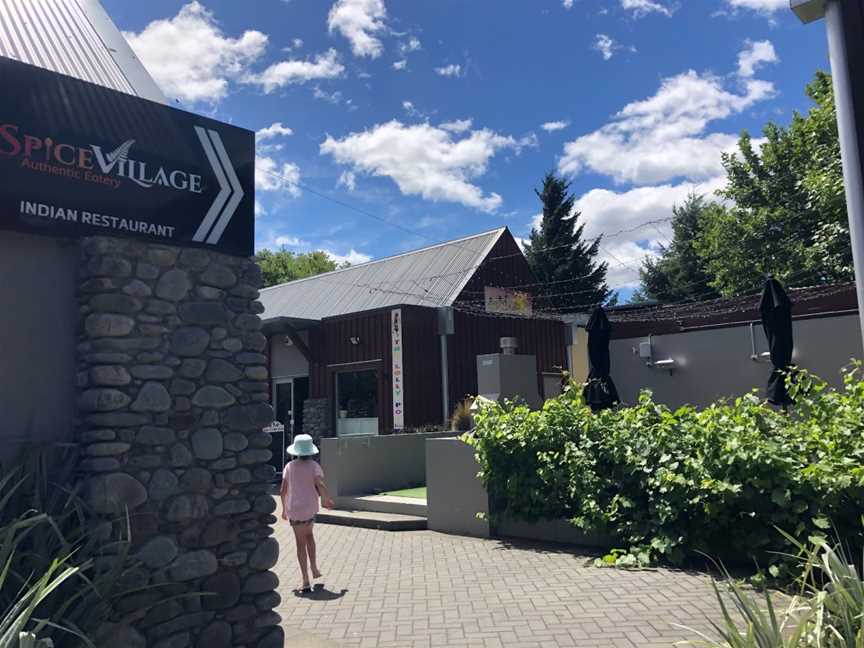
x=296, y=43
x=264, y=138
x=457, y=126
x=348, y=179
x=606, y=45
x=323, y=66
x=528, y=141
x=334, y=97
x=431, y=221
x=353, y=257
x=411, y=45
x=754, y=55
x=400, y=65
x=762, y=6
x=663, y=141
x=271, y=176
x=191, y=58
x=664, y=137
x=291, y=241
x=413, y=111
x=259, y=209
x=644, y=7
x=298, y=245
x=609, y=212
x=276, y=129
x=568, y=4
x=425, y=160
x=452, y=70
x=553, y=126
x=360, y=21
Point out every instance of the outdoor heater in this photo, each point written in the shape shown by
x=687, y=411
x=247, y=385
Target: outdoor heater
x=845, y=23
x=646, y=353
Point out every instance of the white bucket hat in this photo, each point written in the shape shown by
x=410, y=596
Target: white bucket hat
x=303, y=446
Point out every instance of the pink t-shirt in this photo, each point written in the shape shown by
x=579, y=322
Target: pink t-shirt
x=302, y=499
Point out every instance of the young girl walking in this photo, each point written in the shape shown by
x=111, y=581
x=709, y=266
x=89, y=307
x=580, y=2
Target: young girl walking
x=302, y=486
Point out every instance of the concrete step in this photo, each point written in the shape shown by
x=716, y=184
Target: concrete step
x=382, y=504
x=372, y=520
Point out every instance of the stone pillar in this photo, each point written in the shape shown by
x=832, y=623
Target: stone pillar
x=316, y=418
x=173, y=395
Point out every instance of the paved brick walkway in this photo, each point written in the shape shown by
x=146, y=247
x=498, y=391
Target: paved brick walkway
x=424, y=589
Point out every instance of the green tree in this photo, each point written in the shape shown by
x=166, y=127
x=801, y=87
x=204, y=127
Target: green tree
x=281, y=266
x=787, y=214
x=677, y=274
x=567, y=265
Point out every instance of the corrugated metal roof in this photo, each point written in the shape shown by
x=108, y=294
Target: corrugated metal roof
x=76, y=38
x=433, y=276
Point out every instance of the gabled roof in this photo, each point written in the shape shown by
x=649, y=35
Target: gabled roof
x=76, y=38
x=432, y=276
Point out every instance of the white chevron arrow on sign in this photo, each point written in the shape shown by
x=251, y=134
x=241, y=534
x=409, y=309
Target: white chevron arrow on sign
x=230, y=190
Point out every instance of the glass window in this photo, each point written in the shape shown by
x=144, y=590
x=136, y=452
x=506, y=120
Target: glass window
x=357, y=394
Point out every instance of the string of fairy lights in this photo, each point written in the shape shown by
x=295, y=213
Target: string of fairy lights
x=432, y=289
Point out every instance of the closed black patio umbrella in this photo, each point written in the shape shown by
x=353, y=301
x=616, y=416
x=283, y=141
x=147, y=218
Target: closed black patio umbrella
x=599, y=391
x=776, y=312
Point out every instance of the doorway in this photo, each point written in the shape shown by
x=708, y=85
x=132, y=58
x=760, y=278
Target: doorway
x=289, y=394
x=283, y=403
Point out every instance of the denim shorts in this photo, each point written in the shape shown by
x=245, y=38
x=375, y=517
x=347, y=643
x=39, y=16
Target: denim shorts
x=294, y=523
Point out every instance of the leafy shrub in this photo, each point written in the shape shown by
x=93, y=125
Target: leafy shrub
x=717, y=480
x=59, y=575
x=826, y=612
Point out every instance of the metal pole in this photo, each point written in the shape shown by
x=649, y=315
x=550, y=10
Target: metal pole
x=849, y=149
x=445, y=384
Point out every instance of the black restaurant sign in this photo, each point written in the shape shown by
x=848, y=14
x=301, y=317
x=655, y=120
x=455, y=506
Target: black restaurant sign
x=78, y=159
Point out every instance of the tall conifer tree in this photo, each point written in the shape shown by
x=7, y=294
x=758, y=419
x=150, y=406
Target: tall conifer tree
x=678, y=273
x=571, y=276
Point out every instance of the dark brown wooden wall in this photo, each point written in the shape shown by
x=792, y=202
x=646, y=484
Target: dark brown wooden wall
x=480, y=334
x=476, y=334
x=421, y=355
x=504, y=267
x=331, y=347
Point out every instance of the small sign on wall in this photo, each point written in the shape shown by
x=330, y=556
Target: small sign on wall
x=276, y=427
x=396, y=331
x=507, y=301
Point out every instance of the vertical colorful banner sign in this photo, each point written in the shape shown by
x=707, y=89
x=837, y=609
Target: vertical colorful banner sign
x=396, y=330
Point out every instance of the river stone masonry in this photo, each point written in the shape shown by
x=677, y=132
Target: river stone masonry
x=316, y=418
x=173, y=396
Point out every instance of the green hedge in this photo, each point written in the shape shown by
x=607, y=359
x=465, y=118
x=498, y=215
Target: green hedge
x=666, y=483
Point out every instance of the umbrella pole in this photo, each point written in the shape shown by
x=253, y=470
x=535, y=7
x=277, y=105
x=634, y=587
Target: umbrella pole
x=839, y=43
x=845, y=27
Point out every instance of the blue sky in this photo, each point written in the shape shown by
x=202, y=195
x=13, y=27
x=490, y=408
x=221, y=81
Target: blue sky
x=442, y=116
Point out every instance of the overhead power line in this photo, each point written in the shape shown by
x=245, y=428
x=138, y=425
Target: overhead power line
x=408, y=230
x=660, y=312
